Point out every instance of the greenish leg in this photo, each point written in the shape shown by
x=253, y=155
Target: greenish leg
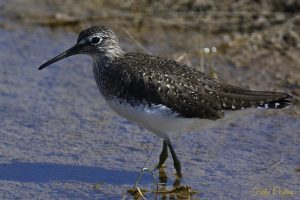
x=176, y=161
x=163, y=155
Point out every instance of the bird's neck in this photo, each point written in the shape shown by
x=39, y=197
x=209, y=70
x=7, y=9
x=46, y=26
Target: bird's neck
x=104, y=59
x=103, y=69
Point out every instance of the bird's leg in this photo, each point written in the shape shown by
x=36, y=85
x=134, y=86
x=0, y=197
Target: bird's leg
x=163, y=155
x=144, y=167
x=176, y=161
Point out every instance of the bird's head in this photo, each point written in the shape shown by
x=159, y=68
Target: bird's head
x=98, y=42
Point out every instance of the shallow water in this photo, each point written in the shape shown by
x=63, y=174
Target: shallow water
x=60, y=140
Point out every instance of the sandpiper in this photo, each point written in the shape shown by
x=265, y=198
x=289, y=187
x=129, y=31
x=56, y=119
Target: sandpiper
x=160, y=94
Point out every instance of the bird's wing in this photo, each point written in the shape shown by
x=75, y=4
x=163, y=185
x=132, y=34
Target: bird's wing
x=189, y=92
x=172, y=84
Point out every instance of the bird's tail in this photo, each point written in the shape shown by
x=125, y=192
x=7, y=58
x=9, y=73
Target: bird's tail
x=239, y=98
x=282, y=102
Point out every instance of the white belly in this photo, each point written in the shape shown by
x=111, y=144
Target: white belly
x=158, y=119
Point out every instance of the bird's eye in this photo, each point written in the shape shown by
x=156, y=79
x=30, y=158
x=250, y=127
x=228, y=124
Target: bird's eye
x=95, y=40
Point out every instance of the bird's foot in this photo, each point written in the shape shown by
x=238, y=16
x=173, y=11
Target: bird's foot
x=138, y=193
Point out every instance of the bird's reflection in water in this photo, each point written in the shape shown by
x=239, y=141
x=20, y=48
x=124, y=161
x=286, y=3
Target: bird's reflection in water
x=163, y=191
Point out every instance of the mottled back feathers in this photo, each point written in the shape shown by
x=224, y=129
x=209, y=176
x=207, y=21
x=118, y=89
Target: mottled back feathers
x=190, y=93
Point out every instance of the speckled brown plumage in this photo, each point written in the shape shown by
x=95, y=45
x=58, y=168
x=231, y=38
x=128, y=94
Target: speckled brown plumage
x=137, y=77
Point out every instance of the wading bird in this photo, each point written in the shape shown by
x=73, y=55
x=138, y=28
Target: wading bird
x=160, y=94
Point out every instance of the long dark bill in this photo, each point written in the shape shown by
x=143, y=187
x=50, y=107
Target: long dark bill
x=70, y=52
